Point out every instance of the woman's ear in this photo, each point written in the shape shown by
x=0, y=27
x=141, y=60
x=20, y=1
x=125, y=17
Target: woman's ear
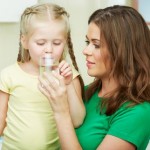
x=24, y=41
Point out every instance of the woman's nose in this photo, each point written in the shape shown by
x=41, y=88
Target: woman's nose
x=88, y=50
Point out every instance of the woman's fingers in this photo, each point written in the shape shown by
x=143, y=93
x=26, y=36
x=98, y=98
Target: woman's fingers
x=51, y=80
x=44, y=91
x=52, y=85
x=56, y=93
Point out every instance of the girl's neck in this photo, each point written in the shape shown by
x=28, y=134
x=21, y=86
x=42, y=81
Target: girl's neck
x=30, y=68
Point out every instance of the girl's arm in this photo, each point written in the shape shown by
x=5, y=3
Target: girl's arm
x=3, y=110
x=77, y=109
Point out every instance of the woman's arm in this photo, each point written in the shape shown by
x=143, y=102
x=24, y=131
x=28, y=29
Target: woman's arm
x=58, y=98
x=66, y=132
x=113, y=143
x=3, y=110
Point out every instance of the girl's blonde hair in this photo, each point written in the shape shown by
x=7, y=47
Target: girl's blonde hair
x=43, y=12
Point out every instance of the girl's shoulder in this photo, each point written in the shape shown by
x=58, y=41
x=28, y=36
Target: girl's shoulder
x=10, y=68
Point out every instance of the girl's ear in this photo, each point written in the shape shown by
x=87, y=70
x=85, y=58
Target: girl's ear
x=24, y=41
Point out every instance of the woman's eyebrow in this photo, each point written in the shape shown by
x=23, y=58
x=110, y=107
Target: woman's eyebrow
x=95, y=40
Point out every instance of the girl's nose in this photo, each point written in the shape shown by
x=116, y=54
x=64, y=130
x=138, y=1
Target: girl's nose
x=48, y=49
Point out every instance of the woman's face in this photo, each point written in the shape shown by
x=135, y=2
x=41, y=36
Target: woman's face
x=96, y=52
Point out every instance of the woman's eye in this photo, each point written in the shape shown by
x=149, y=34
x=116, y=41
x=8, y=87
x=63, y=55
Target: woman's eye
x=96, y=46
x=87, y=42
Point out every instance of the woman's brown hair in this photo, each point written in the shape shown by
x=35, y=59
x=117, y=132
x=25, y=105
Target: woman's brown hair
x=128, y=40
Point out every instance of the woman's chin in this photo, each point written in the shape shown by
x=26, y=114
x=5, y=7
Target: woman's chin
x=90, y=73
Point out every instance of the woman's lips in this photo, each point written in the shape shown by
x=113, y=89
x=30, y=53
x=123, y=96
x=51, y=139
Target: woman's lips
x=89, y=64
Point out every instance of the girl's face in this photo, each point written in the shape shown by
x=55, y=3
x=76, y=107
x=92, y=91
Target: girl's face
x=96, y=52
x=47, y=37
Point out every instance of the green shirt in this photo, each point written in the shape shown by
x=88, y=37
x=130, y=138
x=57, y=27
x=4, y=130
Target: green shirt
x=130, y=124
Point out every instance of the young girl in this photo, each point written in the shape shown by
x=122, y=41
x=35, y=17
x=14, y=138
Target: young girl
x=44, y=29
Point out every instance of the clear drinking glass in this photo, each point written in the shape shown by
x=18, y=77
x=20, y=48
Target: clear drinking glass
x=48, y=64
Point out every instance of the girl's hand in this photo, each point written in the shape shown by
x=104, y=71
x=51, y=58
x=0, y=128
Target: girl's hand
x=54, y=88
x=66, y=71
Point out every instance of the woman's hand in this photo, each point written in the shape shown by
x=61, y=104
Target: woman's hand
x=53, y=86
x=65, y=71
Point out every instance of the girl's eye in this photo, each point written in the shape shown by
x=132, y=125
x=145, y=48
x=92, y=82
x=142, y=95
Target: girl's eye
x=40, y=44
x=56, y=44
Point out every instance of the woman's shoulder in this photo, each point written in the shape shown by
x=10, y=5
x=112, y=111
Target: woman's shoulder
x=140, y=109
x=143, y=109
x=139, y=112
x=131, y=123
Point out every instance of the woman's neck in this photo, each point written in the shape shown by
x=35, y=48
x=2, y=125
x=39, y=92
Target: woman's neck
x=108, y=85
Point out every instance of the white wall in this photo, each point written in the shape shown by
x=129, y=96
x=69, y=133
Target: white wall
x=9, y=35
x=9, y=11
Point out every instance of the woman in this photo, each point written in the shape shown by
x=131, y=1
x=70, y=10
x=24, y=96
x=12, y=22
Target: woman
x=117, y=102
